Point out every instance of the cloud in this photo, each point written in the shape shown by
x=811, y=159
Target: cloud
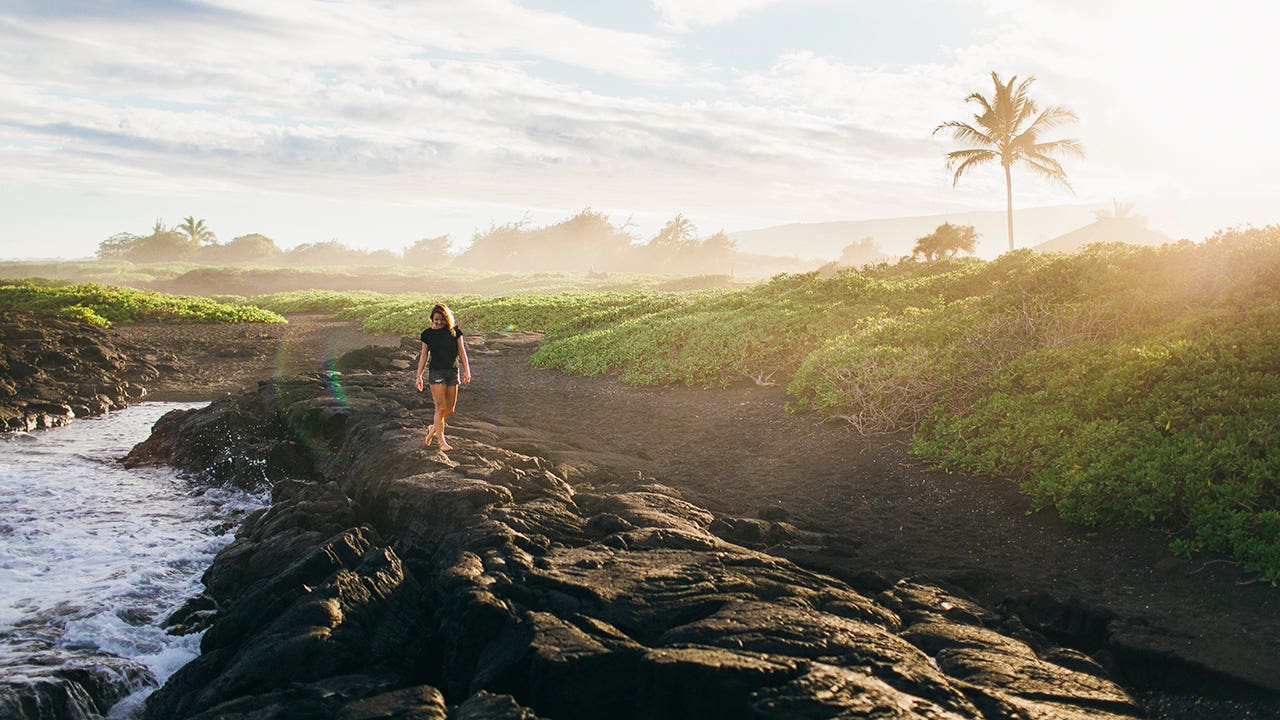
x=684, y=15
x=486, y=103
x=450, y=100
x=492, y=29
x=360, y=91
x=901, y=101
x=418, y=90
x=216, y=40
x=1166, y=92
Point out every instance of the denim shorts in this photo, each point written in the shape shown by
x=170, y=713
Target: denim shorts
x=442, y=377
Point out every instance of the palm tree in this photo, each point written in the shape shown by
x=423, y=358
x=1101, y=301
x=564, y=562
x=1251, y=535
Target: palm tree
x=196, y=231
x=1121, y=211
x=678, y=232
x=1008, y=130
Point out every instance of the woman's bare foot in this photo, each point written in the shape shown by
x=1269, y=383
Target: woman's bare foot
x=431, y=430
x=444, y=444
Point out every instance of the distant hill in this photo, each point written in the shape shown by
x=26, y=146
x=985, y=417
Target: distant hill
x=1105, y=230
x=896, y=236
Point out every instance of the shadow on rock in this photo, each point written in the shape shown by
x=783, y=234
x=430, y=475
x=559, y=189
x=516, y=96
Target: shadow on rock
x=387, y=580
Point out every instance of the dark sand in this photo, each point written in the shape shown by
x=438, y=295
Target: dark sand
x=738, y=451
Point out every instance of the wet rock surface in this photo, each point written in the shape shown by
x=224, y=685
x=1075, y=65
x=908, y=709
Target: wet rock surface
x=387, y=579
x=55, y=687
x=53, y=370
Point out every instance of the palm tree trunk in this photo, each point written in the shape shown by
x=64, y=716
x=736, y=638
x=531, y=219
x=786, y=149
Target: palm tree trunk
x=1008, y=203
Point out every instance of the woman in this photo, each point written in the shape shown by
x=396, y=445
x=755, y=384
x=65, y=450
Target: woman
x=442, y=348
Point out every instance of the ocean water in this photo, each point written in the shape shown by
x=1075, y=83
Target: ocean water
x=94, y=557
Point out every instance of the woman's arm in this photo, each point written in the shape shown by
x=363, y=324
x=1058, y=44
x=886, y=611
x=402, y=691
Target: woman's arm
x=422, y=363
x=466, y=364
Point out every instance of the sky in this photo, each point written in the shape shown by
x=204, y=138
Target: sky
x=380, y=123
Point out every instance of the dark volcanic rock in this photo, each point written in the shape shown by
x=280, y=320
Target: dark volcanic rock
x=386, y=580
x=53, y=370
x=49, y=687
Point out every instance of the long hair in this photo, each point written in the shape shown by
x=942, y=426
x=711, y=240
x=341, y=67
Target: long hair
x=448, y=317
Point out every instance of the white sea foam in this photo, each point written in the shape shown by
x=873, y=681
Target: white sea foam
x=93, y=556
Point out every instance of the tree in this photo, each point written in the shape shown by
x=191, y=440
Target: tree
x=197, y=232
x=251, y=248
x=716, y=253
x=163, y=244
x=862, y=252
x=378, y=258
x=586, y=241
x=428, y=251
x=1120, y=211
x=671, y=249
x=328, y=252
x=719, y=245
x=501, y=247
x=946, y=240
x=120, y=246
x=677, y=233
x=1008, y=130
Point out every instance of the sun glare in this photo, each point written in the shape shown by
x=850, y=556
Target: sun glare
x=1199, y=73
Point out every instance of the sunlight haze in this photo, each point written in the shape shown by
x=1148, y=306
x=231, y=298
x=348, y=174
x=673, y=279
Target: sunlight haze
x=377, y=124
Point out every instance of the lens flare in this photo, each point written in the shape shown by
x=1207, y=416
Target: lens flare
x=324, y=414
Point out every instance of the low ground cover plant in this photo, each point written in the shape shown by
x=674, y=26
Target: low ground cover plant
x=104, y=305
x=1121, y=385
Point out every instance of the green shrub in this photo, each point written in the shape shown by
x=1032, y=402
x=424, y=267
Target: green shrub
x=83, y=314
x=1128, y=385
x=1122, y=385
x=105, y=305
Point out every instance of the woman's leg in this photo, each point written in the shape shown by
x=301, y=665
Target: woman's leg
x=439, y=399
x=450, y=402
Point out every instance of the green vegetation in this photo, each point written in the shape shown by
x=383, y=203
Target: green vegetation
x=946, y=240
x=104, y=305
x=192, y=279
x=587, y=243
x=318, y=301
x=1126, y=385
x=1123, y=385
x=103, y=272
x=1140, y=387
x=559, y=315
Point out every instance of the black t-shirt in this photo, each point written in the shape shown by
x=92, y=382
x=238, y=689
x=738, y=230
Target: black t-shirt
x=443, y=347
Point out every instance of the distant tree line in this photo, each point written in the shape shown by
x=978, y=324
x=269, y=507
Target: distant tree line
x=193, y=241
x=587, y=242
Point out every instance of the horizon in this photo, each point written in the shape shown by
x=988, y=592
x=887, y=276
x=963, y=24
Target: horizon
x=378, y=126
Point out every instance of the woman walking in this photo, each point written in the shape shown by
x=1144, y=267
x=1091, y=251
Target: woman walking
x=442, y=348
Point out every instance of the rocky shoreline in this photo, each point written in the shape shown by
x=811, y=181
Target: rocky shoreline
x=53, y=370
x=513, y=579
x=388, y=580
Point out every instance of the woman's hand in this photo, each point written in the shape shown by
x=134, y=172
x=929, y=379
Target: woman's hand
x=466, y=377
x=419, y=382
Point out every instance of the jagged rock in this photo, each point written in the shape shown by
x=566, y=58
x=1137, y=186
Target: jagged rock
x=486, y=578
x=78, y=689
x=487, y=706
x=54, y=369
